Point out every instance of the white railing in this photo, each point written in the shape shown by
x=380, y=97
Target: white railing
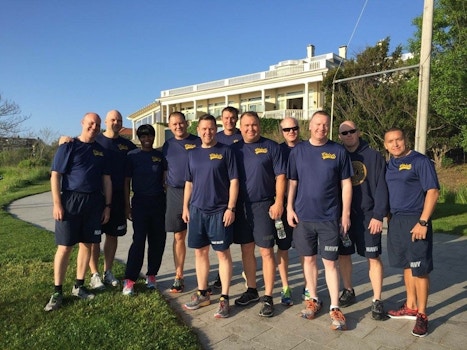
x=315, y=63
x=299, y=114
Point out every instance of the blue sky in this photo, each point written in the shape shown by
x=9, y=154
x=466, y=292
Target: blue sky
x=60, y=59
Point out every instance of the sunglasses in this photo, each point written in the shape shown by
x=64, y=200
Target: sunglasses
x=295, y=128
x=353, y=131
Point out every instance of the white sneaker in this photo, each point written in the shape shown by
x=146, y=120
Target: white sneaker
x=96, y=282
x=109, y=278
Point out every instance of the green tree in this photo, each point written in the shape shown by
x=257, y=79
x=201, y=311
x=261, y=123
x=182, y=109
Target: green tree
x=448, y=83
x=375, y=103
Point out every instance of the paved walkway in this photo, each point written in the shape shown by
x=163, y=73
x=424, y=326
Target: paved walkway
x=246, y=330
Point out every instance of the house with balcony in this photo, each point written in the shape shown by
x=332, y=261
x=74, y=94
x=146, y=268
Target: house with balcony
x=288, y=88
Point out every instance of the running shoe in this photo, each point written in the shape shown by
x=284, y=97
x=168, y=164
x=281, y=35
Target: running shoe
x=224, y=308
x=377, y=311
x=96, y=282
x=197, y=300
x=403, y=313
x=421, y=326
x=110, y=279
x=178, y=285
x=128, y=287
x=286, y=297
x=337, y=320
x=347, y=298
x=250, y=296
x=217, y=284
x=312, y=307
x=82, y=292
x=55, y=302
x=151, y=281
x=267, y=310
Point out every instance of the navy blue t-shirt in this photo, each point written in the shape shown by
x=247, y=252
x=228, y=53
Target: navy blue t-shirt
x=176, y=154
x=408, y=179
x=259, y=163
x=229, y=139
x=210, y=170
x=117, y=150
x=319, y=171
x=146, y=170
x=81, y=165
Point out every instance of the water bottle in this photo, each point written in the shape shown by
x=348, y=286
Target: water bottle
x=346, y=241
x=280, y=228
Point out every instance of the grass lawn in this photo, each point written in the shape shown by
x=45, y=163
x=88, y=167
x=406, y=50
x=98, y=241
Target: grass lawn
x=110, y=321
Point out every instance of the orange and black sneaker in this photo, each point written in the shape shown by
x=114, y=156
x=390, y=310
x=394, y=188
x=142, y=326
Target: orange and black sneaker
x=337, y=320
x=178, y=285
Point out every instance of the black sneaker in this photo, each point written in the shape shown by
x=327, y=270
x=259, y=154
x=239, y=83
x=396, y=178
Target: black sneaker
x=267, y=310
x=377, y=311
x=217, y=284
x=347, y=298
x=250, y=296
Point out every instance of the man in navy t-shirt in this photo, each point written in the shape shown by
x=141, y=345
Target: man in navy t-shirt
x=175, y=151
x=117, y=148
x=82, y=195
x=230, y=134
x=318, y=203
x=211, y=190
x=413, y=192
x=261, y=201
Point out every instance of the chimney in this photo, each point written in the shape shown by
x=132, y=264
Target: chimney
x=310, y=51
x=343, y=51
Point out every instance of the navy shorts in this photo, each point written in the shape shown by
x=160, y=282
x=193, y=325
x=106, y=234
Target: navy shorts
x=253, y=224
x=368, y=245
x=205, y=229
x=117, y=224
x=308, y=234
x=173, y=214
x=404, y=253
x=82, y=220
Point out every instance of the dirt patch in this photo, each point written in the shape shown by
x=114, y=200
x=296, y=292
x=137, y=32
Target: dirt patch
x=454, y=177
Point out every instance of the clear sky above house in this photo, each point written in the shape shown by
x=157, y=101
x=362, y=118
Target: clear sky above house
x=60, y=59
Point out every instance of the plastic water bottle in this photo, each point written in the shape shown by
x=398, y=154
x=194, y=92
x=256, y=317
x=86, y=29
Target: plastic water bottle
x=346, y=241
x=280, y=229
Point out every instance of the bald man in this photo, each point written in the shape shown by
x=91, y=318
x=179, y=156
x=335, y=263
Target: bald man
x=369, y=207
x=80, y=175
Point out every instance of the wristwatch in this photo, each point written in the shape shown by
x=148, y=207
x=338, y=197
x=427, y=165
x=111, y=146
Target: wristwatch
x=423, y=223
x=108, y=206
x=231, y=209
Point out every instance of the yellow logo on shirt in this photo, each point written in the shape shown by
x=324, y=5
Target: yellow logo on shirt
x=326, y=155
x=189, y=146
x=261, y=150
x=97, y=153
x=405, y=166
x=122, y=147
x=156, y=159
x=215, y=156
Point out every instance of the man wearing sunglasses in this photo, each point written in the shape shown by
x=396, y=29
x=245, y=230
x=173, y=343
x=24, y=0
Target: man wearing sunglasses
x=291, y=134
x=369, y=207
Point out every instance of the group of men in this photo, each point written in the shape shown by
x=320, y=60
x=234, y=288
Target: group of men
x=230, y=186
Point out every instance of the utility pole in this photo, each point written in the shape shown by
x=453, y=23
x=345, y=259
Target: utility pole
x=424, y=78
